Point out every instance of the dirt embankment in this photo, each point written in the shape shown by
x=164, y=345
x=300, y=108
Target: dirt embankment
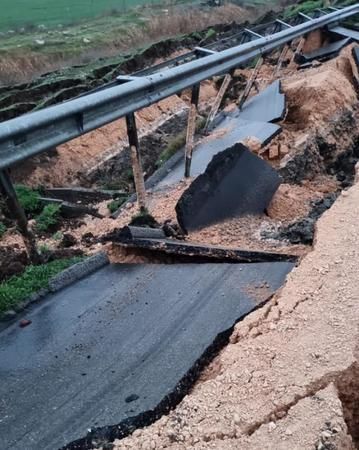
x=73, y=159
x=102, y=156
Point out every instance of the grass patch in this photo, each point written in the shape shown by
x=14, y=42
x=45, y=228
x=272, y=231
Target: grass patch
x=29, y=15
x=144, y=219
x=29, y=199
x=115, y=204
x=177, y=142
x=48, y=218
x=16, y=289
x=211, y=33
x=304, y=7
x=173, y=146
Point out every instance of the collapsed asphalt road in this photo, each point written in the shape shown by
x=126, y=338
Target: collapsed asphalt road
x=115, y=344
x=253, y=120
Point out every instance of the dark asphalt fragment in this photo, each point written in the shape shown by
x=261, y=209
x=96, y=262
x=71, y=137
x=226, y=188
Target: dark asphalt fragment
x=131, y=398
x=235, y=183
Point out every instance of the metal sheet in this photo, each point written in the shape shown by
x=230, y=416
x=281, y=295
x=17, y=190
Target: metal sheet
x=235, y=183
x=267, y=106
x=126, y=332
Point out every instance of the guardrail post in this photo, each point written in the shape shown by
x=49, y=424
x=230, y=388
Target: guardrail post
x=136, y=160
x=8, y=192
x=297, y=51
x=280, y=60
x=191, y=128
x=218, y=100
x=250, y=82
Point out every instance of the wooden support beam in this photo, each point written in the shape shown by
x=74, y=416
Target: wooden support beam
x=136, y=160
x=297, y=51
x=250, y=82
x=17, y=213
x=191, y=129
x=281, y=58
x=218, y=100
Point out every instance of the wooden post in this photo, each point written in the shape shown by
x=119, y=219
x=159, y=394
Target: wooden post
x=250, y=82
x=8, y=192
x=297, y=51
x=136, y=161
x=280, y=60
x=218, y=100
x=191, y=129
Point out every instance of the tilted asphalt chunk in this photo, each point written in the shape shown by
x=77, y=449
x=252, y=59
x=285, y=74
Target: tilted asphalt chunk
x=235, y=183
x=267, y=106
x=347, y=32
x=324, y=52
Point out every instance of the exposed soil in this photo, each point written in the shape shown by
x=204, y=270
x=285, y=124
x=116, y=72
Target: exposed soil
x=13, y=260
x=319, y=160
x=72, y=160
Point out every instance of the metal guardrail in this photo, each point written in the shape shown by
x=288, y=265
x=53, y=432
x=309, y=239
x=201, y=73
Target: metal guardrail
x=37, y=132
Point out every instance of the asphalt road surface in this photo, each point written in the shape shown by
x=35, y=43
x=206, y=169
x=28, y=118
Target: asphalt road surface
x=116, y=343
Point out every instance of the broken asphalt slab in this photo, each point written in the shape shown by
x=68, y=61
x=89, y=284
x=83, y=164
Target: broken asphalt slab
x=208, y=253
x=229, y=132
x=254, y=120
x=236, y=183
x=328, y=51
x=347, y=32
x=267, y=106
x=94, y=353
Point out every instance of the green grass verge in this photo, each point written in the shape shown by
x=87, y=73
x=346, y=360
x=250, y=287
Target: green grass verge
x=304, y=7
x=29, y=14
x=48, y=218
x=116, y=203
x=16, y=289
x=176, y=143
x=29, y=199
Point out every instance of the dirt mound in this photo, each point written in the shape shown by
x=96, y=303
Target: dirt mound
x=292, y=202
x=13, y=261
x=318, y=96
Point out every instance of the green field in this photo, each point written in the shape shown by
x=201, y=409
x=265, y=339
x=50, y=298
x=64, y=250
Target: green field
x=16, y=14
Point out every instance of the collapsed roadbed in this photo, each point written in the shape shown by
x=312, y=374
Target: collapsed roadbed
x=128, y=324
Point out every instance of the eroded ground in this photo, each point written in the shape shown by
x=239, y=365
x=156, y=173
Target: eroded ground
x=289, y=377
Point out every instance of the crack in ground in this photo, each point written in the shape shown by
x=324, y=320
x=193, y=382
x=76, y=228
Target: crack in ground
x=347, y=384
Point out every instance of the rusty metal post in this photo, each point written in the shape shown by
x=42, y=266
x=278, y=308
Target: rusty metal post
x=218, y=100
x=191, y=129
x=250, y=82
x=8, y=192
x=297, y=51
x=136, y=160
